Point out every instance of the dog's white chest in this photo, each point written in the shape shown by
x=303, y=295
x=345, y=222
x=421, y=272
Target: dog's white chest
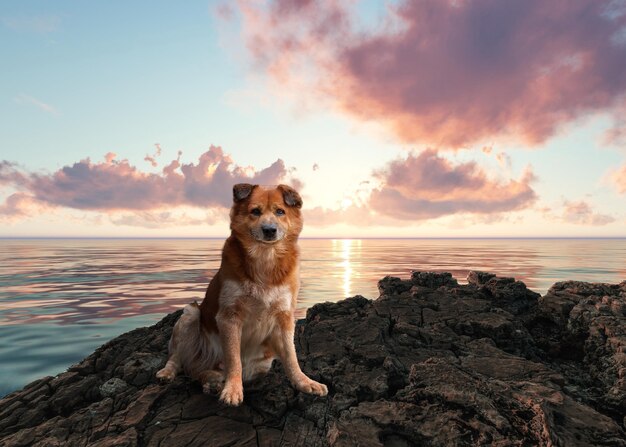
x=254, y=297
x=260, y=306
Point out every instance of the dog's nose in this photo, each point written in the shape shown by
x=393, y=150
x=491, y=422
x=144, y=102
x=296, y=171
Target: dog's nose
x=269, y=232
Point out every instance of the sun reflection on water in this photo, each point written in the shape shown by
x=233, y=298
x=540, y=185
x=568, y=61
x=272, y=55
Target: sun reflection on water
x=348, y=252
x=346, y=245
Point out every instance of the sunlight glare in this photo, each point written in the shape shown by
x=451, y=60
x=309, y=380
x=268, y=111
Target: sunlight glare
x=346, y=251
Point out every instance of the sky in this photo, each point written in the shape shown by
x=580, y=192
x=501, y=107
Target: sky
x=404, y=118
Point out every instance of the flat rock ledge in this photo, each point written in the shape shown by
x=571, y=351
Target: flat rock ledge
x=429, y=363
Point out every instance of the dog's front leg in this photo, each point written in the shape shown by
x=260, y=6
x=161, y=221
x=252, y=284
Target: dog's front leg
x=286, y=350
x=229, y=323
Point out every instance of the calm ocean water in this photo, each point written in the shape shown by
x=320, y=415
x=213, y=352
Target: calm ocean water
x=62, y=298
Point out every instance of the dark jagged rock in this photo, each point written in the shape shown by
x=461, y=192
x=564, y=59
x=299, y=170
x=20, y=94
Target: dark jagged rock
x=430, y=362
x=510, y=295
x=586, y=323
x=433, y=280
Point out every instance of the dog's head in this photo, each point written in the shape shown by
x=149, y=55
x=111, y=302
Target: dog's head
x=266, y=214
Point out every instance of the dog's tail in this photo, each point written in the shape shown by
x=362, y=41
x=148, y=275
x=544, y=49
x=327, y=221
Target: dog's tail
x=197, y=349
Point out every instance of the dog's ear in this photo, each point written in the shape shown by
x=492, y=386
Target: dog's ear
x=291, y=196
x=242, y=191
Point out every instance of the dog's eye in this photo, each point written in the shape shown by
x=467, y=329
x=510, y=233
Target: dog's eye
x=256, y=212
x=280, y=212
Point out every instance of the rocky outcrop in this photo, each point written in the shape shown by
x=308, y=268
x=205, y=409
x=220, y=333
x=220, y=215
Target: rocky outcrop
x=430, y=362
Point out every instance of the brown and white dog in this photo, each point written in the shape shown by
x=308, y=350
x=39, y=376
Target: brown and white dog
x=247, y=316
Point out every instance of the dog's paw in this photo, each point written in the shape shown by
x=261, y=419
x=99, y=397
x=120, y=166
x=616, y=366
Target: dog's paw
x=166, y=375
x=213, y=383
x=309, y=386
x=232, y=394
x=212, y=387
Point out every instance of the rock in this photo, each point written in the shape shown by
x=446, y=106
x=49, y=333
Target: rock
x=511, y=295
x=390, y=285
x=582, y=323
x=430, y=362
x=433, y=280
x=112, y=387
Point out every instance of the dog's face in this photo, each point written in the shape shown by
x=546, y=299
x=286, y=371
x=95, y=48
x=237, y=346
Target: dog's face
x=265, y=215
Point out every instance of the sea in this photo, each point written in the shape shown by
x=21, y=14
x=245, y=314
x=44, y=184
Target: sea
x=62, y=298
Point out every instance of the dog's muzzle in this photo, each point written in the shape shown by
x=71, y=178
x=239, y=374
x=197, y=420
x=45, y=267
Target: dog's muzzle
x=269, y=232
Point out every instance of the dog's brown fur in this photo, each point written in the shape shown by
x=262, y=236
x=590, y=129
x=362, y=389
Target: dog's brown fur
x=247, y=316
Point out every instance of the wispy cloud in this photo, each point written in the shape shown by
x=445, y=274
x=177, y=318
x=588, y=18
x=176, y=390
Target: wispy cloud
x=449, y=73
x=161, y=219
x=42, y=24
x=29, y=100
x=224, y=11
x=618, y=178
x=581, y=213
x=152, y=159
x=616, y=135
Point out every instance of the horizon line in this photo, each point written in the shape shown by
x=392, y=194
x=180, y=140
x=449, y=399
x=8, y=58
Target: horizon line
x=311, y=238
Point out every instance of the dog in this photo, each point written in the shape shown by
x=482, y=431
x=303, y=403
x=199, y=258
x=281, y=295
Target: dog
x=246, y=319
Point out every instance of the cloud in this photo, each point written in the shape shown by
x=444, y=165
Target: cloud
x=616, y=135
x=29, y=100
x=581, y=213
x=16, y=206
x=224, y=11
x=10, y=174
x=618, y=178
x=115, y=185
x=426, y=186
x=35, y=24
x=160, y=219
x=504, y=160
x=450, y=73
x=152, y=158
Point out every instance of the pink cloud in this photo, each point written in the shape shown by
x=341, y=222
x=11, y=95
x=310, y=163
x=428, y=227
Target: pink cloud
x=616, y=135
x=16, y=206
x=618, y=178
x=161, y=219
x=581, y=213
x=451, y=73
x=10, y=174
x=110, y=157
x=117, y=185
x=152, y=159
x=429, y=186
